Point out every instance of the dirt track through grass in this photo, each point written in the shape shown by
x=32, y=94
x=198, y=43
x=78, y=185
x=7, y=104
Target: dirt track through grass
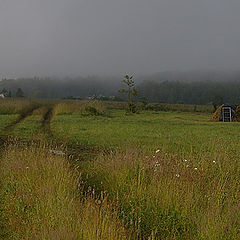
x=47, y=140
x=25, y=113
x=8, y=128
x=46, y=120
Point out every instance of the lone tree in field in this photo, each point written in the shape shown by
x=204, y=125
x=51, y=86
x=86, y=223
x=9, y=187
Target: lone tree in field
x=131, y=92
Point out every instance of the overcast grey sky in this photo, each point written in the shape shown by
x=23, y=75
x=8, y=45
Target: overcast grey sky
x=80, y=37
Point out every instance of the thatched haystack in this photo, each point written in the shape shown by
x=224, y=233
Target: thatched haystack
x=236, y=117
x=217, y=115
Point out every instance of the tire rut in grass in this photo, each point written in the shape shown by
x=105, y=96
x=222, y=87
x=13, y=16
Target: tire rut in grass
x=24, y=114
x=78, y=152
x=4, y=141
x=46, y=121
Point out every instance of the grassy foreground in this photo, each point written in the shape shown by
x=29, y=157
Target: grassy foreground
x=167, y=197
x=157, y=175
x=41, y=198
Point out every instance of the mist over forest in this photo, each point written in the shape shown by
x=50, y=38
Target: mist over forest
x=192, y=87
x=96, y=43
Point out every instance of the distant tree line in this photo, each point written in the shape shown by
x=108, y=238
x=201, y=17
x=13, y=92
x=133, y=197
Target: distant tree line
x=168, y=87
x=202, y=92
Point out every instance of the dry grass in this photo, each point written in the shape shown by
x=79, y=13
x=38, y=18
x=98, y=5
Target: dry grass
x=83, y=107
x=13, y=105
x=237, y=115
x=217, y=114
x=41, y=199
x=19, y=105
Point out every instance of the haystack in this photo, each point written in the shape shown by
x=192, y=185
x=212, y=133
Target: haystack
x=236, y=117
x=218, y=114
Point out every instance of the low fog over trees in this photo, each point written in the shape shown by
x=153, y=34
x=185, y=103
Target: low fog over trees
x=193, y=87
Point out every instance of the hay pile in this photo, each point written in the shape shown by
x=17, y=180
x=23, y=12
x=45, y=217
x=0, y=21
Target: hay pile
x=236, y=117
x=217, y=114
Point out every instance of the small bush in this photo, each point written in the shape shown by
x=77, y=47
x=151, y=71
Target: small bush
x=131, y=108
x=91, y=111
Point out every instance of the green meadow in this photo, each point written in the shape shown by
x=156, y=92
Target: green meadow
x=148, y=130
x=169, y=174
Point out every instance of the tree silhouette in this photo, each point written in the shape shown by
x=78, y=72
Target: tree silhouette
x=131, y=92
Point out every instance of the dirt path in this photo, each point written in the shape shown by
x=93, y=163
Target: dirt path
x=25, y=113
x=4, y=140
x=74, y=152
x=46, y=121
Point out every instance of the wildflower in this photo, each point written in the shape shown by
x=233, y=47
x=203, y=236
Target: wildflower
x=158, y=151
x=57, y=152
x=185, y=160
x=154, y=156
x=214, y=162
x=27, y=167
x=157, y=164
x=177, y=175
x=195, y=168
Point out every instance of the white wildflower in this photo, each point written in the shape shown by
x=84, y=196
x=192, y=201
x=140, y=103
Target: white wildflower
x=57, y=152
x=158, y=151
x=195, y=168
x=214, y=162
x=157, y=164
x=177, y=175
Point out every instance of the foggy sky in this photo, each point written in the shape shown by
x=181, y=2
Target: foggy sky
x=81, y=37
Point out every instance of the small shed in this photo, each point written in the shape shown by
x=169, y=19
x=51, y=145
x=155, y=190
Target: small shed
x=227, y=113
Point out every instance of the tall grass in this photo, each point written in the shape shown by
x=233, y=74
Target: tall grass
x=166, y=197
x=41, y=198
x=93, y=107
x=19, y=105
x=13, y=105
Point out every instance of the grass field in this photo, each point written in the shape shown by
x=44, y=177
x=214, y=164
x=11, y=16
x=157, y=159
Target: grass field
x=151, y=175
x=169, y=131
